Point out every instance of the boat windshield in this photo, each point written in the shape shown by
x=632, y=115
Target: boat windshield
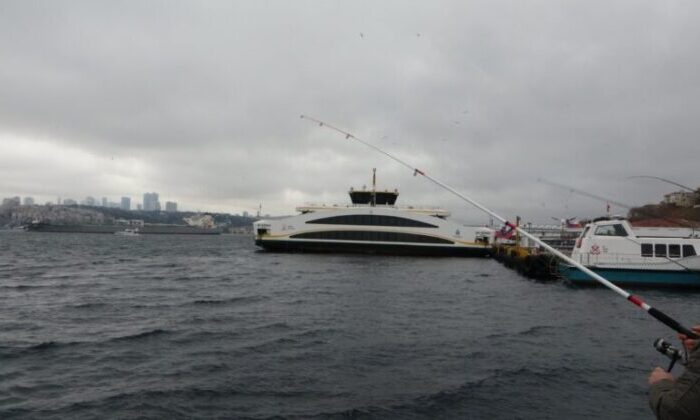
x=611, y=230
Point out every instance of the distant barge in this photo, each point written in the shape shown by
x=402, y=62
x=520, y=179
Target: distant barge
x=111, y=229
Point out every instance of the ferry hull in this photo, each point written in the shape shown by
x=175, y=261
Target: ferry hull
x=656, y=278
x=371, y=248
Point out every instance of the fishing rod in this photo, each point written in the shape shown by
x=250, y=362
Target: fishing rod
x=636, y=300
x=668, y=181
x=639, y=210
x=584, y=193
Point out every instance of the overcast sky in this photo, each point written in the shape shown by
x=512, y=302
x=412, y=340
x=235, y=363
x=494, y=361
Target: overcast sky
x=200, y=101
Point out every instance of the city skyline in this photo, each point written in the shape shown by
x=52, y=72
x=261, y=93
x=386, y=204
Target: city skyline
x=117, y=201
x=124, y=202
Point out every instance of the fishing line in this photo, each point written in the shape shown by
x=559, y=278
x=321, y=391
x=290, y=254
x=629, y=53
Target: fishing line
x=636, y=300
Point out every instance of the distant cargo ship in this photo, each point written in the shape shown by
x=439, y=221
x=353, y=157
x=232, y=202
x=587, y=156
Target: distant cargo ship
x=112, y=229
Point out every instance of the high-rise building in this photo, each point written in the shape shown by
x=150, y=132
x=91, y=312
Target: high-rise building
x=69, y=202
x=171, y=206
x=126, y=203
x=28, y=201
x=89, y=201
x=11, y=202
x=150, y=202
x=105, y=203
x=139, y=207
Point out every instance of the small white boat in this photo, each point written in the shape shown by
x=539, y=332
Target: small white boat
x=623, y=254
x=128, y=232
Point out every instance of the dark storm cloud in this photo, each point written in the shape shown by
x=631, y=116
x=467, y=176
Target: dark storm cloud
x=201, y=101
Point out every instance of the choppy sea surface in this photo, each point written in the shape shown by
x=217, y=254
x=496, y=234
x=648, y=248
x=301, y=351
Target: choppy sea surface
x=101, y=326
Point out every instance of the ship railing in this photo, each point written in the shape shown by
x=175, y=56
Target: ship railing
x=351, y=206
x=588, y=258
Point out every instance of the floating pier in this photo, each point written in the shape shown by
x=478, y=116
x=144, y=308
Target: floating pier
x=529, y=262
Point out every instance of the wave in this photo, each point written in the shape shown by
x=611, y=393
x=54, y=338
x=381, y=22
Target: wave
x=89, y=305
x=237, y=299
x=275, y=326
x=535, y=331
x=25, y=286
x=146, y=334
x=177, y=403
x=475, y=399
x=21, y=287
x=43, y=347
x=47, y=346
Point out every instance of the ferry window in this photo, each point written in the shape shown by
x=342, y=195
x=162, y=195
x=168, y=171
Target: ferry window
x=647, y=250
x=610, y=230
x=371, y=236
x=660, y=250
x=688, y=251
x=674, y=251
x=370, y=220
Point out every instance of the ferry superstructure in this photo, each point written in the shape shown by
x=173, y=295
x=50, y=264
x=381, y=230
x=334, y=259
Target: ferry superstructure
x=373, y=224
x=623, y=254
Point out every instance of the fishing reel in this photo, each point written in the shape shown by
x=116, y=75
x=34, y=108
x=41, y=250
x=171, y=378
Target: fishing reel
x=673, y=353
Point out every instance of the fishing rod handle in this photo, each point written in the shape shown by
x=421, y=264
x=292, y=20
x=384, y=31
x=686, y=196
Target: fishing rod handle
x=672, y=323
x=670, y=366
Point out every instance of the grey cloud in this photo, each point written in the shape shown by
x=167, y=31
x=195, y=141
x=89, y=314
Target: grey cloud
x=490, y=97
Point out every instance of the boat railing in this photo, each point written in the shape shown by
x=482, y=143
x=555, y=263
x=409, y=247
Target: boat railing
x=422, y=209
x=587, y=258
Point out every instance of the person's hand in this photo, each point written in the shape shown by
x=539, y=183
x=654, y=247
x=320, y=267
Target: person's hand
x=689, y=343
x=658, y=374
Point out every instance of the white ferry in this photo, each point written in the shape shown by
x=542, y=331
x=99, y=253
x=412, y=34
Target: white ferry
x=623, y=254
x=373, y=224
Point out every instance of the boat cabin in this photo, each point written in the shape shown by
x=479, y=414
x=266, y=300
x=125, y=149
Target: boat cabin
x=373, y=198
x=617, y=240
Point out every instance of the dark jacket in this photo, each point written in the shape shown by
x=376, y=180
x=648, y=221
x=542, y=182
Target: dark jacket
x=679, y=399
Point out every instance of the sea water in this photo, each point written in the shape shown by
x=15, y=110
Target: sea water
x=102, y=326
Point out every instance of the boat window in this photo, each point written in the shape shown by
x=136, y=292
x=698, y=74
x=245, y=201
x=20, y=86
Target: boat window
x=371, y=220
x=674, y=251
x=373, y=236
x=688, y=251
x=585, y=231
x=647, y=250
x=610, y=230
x=660, y=250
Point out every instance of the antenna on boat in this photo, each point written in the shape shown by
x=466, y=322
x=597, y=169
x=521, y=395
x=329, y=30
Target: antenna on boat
x=374, y=187
x=657, y=314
